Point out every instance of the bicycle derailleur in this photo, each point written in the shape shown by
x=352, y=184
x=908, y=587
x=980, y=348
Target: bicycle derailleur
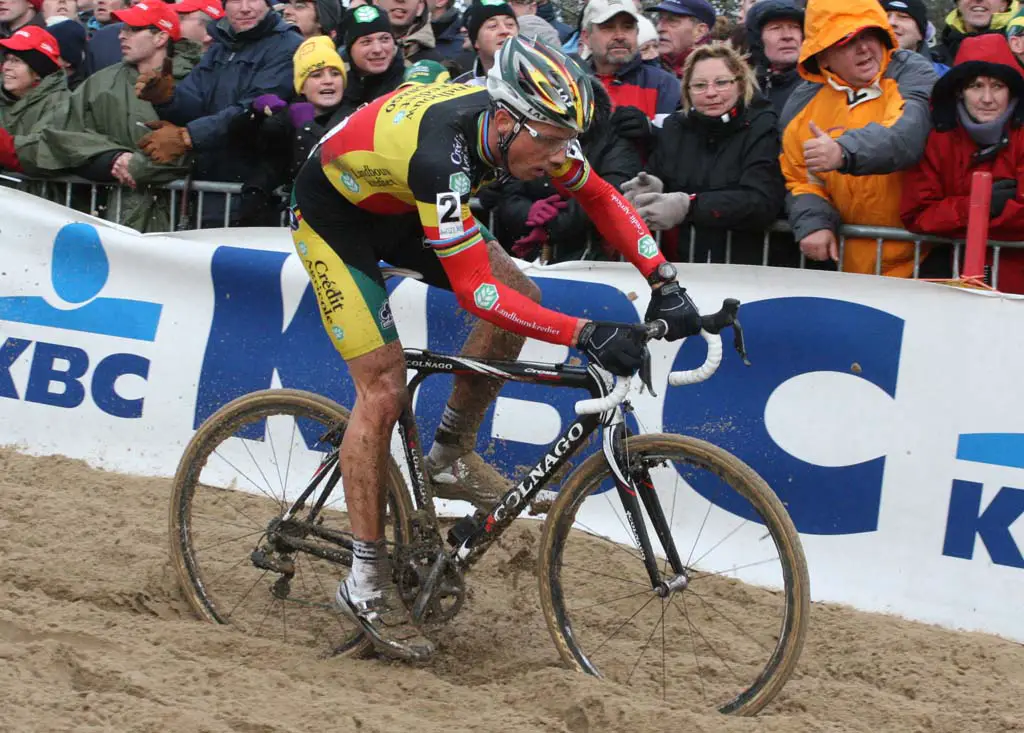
x=432, y=587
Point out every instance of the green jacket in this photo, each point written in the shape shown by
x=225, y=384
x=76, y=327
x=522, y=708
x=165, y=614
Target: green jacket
x=21, y=116
x=99, y=120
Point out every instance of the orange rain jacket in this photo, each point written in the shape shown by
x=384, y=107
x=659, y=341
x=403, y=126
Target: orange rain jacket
x=882, y=128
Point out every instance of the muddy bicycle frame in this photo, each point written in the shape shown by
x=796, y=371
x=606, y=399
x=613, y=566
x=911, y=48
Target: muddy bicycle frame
x=470, y=537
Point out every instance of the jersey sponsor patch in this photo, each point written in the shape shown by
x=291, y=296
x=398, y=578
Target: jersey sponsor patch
x=646, y=246
x=485, y=296
x=459, y=183
x=349, y=182
x=449, y=215
x=384, y=317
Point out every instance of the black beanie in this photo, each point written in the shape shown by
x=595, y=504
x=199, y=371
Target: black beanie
x=481, y=10
x=328, y=15
x=37, y=61
x=363, y=21
x=914, y=8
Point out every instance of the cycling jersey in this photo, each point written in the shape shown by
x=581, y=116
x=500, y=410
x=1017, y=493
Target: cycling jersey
x=422, y=151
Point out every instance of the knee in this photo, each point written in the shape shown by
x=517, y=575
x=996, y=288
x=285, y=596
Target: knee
x=384, y=397
x=530, y=289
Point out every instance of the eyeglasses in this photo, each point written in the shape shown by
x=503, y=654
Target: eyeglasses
x=549, y=142
x=720, y=85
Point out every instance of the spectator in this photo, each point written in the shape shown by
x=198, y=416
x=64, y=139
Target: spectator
x=411, y=24
x=70, y=35
x=728, y=135
x=377, y=64
x=647, y=41
x=59, y=10
x=611, y=33
x=95, y=134
x=524, y=7
x=978, y=117
x=972, y=18
x=314, y=17
x=33, y=82
x=535, y=27
x=104, y=46
x=775, y=30
x=489, y=23
x=909, y=21
x=531, y=214
x=195, y=17
x=546, y=10
x=1015, y=36
x=874, y=98
x=288, y=132
x=251, y=55
x=15, y=14
x=682, y=25
x=446, y=23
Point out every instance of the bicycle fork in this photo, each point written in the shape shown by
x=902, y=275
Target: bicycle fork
x=634, y=486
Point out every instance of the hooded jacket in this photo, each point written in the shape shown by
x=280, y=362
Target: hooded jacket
x=612, y=157
x=648, y=88
x=236, y=69
x=776, y=85
x=97, y=122
x=419, y=43
x=956, y=31
x=733, y=173
x=882, y=129
x=21, y=116
x=936, y=191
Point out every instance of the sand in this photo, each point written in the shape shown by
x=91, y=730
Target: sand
x=96, y=636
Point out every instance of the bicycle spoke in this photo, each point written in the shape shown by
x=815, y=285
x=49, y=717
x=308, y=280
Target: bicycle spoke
x=700, y=531
x=623, y=624
x=733, y=569
x=647, y=643
x=242, y=473
x=647, y=585
x=672, y=516
x=664, y=623
x=693, y=645
x=246, y=595
x=613, y=600
x=622, y=522
x=277, y=464
x=273, y=496
x=203, y=548
x=734, y=624
x=719, y=543
x=711, y=647
x=291, y=446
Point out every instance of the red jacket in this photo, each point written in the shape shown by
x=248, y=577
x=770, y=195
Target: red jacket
x=936, y=191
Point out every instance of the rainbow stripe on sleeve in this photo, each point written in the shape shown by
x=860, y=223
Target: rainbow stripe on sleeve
x=450, y=247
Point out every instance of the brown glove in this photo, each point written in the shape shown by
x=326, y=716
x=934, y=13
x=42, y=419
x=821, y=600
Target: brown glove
x=166, y=143
x=156, y=87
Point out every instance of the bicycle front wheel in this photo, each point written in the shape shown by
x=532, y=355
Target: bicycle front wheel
x=239, y=559
x=728, y=629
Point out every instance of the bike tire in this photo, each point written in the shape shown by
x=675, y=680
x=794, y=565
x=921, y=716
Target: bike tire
x=195, y=570
x=697, y=454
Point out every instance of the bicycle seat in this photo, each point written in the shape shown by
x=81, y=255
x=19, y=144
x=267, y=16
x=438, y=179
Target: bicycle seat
x=389, y=272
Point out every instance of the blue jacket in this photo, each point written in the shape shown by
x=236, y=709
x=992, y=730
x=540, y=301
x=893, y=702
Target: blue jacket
x=103, y=49
x=235, y=70
x=447, y=40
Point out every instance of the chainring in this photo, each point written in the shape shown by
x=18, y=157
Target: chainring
x=412, y=566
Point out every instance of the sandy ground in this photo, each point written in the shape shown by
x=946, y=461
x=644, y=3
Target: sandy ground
x=95, y=636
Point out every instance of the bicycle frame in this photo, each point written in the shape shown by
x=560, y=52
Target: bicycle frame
x=471, y=548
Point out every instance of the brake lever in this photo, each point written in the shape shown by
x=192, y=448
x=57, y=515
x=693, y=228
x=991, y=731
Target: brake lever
x=737, y=341
x=645, y=373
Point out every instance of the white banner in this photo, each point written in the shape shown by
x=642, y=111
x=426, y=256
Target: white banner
x=887, y=414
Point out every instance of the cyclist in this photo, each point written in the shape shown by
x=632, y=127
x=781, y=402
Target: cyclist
x=393, y=182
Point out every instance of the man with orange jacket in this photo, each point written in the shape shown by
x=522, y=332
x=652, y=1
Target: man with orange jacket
x=859, y=118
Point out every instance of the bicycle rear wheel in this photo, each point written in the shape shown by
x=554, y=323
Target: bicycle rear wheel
x=731, y=630
x=235, y=558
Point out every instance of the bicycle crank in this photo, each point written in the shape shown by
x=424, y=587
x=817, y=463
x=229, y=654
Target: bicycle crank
x=430, y=584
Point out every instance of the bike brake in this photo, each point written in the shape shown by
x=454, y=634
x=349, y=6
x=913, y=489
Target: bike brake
x=645, y=373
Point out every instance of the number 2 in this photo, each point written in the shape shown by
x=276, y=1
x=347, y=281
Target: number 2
x=450, y=214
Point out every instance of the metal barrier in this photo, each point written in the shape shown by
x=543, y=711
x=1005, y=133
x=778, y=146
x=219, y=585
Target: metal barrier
x=233, y=191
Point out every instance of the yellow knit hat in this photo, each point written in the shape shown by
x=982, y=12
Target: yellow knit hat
x=314, y=54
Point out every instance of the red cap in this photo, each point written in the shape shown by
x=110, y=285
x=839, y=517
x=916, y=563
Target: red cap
x=34, y=38
x=37, y=4
x=151, y=13
x=213, y=8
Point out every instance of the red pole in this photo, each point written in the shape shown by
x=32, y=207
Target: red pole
x=977, y=224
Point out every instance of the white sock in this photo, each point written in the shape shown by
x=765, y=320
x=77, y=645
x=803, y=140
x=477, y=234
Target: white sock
x=371, y=568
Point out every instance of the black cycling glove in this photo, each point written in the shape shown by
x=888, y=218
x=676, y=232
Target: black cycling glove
x=631, y=123
x=671, y=304
x=617, y=347
x=1003, y=192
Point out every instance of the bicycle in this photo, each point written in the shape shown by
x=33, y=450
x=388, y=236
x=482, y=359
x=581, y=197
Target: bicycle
x=292, y=550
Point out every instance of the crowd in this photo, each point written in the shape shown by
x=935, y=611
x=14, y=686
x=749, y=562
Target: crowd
x=843, y=111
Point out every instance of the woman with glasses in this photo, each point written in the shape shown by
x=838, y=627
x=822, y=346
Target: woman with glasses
x=715, y=165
